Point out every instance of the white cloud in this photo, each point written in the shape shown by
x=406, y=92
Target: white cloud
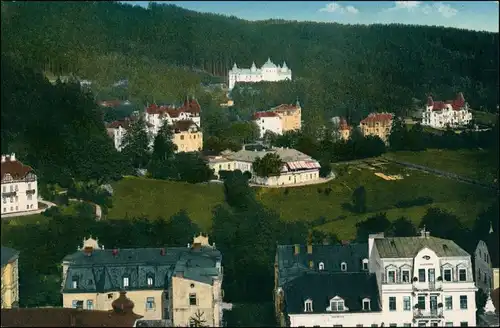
x=334, y=7
x=444, y=10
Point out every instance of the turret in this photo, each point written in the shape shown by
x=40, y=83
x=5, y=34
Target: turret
x=284, y=68
x=235, y=67
x=460, y=97
x=253, y=68
x=430, y=102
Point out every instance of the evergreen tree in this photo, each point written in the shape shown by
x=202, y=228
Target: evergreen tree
x=136, y=144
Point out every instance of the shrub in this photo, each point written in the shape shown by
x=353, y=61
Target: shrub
x=286, y=191
x=320, y=190
x=328, y=191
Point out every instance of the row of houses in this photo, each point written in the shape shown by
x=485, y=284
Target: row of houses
x=419, y=281
x=172, y=286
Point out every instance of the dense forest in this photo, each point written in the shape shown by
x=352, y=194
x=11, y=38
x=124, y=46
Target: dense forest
x=338, y=69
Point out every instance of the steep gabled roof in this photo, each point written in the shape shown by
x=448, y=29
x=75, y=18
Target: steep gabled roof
x=184, y=125
x=15, y=168
x=408, y=247
x=377, y=117
x=8, y=255
x=258, y=115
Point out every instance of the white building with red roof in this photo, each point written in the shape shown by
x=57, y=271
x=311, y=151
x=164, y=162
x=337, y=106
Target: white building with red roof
x=377, y=124
x=268, y=72
x=453, y=113
x=268, y=121
x=19, y=186
x=157, y=115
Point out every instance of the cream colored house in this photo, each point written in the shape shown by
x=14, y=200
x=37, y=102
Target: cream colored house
x=496, y=278
x=187, y=136
x=164, y=283
x=377, y=124
x=291, y=116
x=10, y=278
x=298, y=167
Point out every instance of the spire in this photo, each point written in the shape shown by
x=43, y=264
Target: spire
x=489, y=307
x=235, y=67
x=491, y=228
x=297, y=103
x=269, y=60
x=284, y=64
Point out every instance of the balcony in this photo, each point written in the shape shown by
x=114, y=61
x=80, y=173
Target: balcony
x=428, y=314
x=429, y=286
x=30, y=192
x=9, y=194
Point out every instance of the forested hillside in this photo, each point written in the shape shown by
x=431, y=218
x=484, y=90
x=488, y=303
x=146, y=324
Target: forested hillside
x=339, y=67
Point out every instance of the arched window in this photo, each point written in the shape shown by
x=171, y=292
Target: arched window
x=343, y=266
x=150, y=280
x=308, y=306
x=321, y=266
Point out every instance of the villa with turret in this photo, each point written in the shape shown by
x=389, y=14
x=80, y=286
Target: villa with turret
x=268, y=72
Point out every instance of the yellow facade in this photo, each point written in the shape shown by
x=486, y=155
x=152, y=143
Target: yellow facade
x=188, y=141
x=10, y=284
x=291, y=116
x=193, y=299
x=102, y=301
x=378, y=124
x=496, y=278
x=345, y=134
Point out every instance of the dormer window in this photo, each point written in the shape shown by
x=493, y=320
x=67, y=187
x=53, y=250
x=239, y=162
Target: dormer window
x=391, y=276
x=366, y=304
x=365, y=264
x=308, y=306
x=74, y=283
x=321, y=266
x=126, y=282
x=150, y=281
x=462, y=275
x=337, y=305
x=343, y=266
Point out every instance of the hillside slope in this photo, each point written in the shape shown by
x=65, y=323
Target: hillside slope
x=383, y=67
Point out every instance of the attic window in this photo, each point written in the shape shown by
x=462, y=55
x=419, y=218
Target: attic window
x=308, y=306
x=426, y=257
x=343, y=266
x=74, y=283
x=445, y=247
x=366, y=304
x=365, y=264
x=126, y=282
x=337, y=305
x=150, y=281
x=321, y=266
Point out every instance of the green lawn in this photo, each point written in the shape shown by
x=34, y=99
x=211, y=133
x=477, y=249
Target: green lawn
x=153, y=198
x=27, y=219
x=484, y=118
x=134, y=197
x=474, y=164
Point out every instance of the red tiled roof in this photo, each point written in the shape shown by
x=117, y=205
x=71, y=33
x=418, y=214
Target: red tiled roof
x=110, y=103
x=183, y=125
x=65, y=317
x=343, y=125
x=258, y=115
x=189, y=106
x=15, y=168
x=125, y=123
x=456, y=104
x=284, y=107
x=377, y=117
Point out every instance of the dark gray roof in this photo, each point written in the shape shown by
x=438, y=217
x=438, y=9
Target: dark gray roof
x=103, y=272
x=320, y=287
x=290, y=266
x=408, y=247
x=8, y=254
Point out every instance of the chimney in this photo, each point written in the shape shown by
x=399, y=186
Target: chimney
x=296, y=250
x=162, y=251
x=3, y=158
x=115, y=252
x=371, y=239
x=13, y=157
x=424, y=233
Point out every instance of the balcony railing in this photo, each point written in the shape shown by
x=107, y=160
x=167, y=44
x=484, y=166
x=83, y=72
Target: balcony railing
x=424, y=314
x=431, y=286
x=9, y=194
x=30, y=191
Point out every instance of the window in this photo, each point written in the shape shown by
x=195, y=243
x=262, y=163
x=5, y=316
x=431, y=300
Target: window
x=448, y=324
x=321, y=266
x=434, y=324
x=359, y=325
x=365, y=265
x=422, y=324
x=337, y=306
x=192, y=299
x=421, y=302
x=150, y=281
x=462, y=274
x=125, y=282
x=343, y=266
x=29, y=186
x=464, y=324
x=74, y=283
x=150, y=303
x=366, y=305
x=463, y=302
x=30, y=196
x=110, y=296
x=406, y=324
x=448, y=303
x=421, y=275
x=405, y=276
x=333, y=325
x=308, y=306
x=391, y=276
x=74, y=304
x=447, y=274
x=182, y=137
x=406, y=303
x=393, y=325
x=4, y=200
x=90, y=304
x=392, y=303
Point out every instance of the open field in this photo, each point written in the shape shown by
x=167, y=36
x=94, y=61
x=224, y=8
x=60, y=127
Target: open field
x=473, y=164
x=484, y=118
x=153, y=198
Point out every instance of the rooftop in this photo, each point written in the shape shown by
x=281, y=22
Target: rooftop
x=408, y=247
x=10, y=165
x=286, y=155
x=456, y=104
x=321, y=287
x=184, y=125
x=377, y=117
x=8, y=255
x=189, y=106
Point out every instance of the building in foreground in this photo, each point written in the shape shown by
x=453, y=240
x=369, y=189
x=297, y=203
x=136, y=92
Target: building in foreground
x=297, y=168
x=19, y=186
x=10, y=278
x=377, y=124
x=279, y=119
x=173, y=284
x=121, y=315
x=483, y=273
x=453, y=113
x=419, y=281
x=268, y=72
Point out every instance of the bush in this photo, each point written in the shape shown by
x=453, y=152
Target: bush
x=52, y=212
x=61, y=199
x=223, y=174
x=286, y=191
x=320, y=190
x=328, y=191
x=247, y=175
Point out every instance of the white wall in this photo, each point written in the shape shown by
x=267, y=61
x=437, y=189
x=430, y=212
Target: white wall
x=483, y=272
x=447, y=116
x=21, y=202
x=332, y=319
x=272, y=124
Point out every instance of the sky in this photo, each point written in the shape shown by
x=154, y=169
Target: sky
x=472, y=15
